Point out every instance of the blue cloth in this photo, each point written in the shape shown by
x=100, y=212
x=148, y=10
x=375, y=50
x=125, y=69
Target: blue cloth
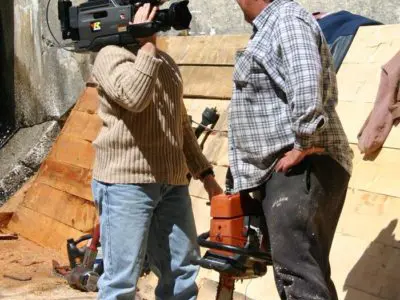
x=339, y=49
x=343, y=23
x=153, y=218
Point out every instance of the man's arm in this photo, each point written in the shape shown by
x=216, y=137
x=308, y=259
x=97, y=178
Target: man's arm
x=303, y=79
x=127, y=79
x=197, y=163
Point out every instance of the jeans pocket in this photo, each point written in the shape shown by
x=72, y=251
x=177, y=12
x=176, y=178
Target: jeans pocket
x=98, y=205
x=98, y=191
x=307, y=174
x=308, y=178
x=303, y=172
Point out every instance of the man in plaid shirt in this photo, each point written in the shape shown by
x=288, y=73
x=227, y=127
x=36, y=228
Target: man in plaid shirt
x=287, y=142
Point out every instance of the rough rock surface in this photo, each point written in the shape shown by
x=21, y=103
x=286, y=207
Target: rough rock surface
x=21, y=157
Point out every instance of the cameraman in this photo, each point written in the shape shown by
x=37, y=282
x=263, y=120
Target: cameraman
x=143, y=153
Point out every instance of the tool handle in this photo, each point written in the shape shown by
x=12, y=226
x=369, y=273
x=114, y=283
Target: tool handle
x=203, y=241
x=83, y=238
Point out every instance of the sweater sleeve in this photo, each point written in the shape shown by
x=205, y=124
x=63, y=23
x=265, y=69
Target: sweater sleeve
x=195, y=159
x=127, y=79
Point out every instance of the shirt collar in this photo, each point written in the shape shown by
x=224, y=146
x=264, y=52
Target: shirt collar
x=262, y=18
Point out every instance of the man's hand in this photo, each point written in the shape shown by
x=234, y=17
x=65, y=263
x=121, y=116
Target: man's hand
x=146, y=14
x=294, y=157
x=211, y=186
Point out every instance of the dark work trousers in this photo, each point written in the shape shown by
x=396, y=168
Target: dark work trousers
x=302, y=209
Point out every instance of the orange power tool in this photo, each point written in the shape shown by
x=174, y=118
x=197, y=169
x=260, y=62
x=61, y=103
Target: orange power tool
x=237, y=240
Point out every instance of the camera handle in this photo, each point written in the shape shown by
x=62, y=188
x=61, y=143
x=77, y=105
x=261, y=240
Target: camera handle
x=145, y=29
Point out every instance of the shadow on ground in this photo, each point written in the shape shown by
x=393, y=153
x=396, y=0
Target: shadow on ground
x=377, y=272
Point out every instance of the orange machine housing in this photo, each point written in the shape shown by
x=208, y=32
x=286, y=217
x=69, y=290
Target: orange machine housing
x=227, y=225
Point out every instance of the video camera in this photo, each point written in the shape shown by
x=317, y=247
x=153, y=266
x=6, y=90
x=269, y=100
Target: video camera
x=98, y=23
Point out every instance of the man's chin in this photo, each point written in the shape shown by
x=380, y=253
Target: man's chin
x=248, y=19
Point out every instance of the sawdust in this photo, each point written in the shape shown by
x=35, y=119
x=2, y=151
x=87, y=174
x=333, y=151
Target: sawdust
x=23, y=259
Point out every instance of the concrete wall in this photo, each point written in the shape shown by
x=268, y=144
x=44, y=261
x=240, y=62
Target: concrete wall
x=47, y=79
x=39, y=83
x=225, y=16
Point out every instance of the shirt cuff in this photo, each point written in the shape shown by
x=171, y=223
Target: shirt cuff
x=205, y=173
x=303, y=142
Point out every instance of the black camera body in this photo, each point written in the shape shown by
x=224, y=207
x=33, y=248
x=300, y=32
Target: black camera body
x=98, y=23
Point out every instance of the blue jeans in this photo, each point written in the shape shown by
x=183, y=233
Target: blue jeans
x=156, y=219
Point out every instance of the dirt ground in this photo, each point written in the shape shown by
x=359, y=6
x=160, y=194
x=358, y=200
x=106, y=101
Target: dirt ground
x=31, y=267
x=32, y=263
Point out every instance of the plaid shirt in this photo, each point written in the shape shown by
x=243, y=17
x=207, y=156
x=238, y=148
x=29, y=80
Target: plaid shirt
x=284, y=95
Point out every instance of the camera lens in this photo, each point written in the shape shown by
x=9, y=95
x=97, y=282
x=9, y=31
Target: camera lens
x=180, y=15
x=177, y=16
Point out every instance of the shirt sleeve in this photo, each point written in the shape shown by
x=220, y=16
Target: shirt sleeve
x=127, y=79
x=303, y=78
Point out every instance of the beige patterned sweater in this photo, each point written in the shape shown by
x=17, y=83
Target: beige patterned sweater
x=146, y=136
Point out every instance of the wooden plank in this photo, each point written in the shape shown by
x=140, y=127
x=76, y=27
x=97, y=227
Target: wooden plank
x=88, y=102
x=371, y=212
x=71, y=179
x=374, y=44
x=72, y=150
x=61, y=206
x=358, y=82
x=201, y=213
x=359, y=75
x=207, y=82
x=42, y=229
x=203, y=50
x=216, y=149
x=82, y=125
x=379, y=176
x=353, y=116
